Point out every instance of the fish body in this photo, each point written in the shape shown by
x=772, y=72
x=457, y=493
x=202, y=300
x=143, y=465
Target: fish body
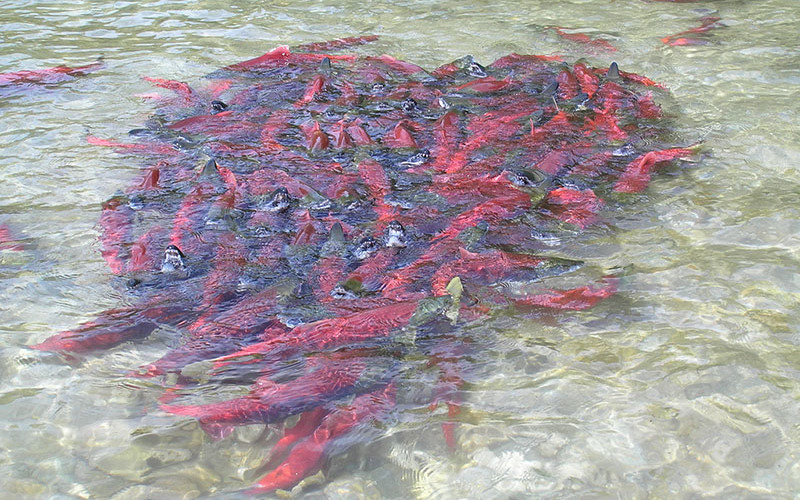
x=47, y=76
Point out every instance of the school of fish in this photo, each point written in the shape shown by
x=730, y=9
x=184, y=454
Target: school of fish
x=299, y=213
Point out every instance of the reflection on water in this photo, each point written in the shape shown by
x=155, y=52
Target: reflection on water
x=684, y=383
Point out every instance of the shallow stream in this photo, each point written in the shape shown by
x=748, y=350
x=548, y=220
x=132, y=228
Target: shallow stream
x=683, y=385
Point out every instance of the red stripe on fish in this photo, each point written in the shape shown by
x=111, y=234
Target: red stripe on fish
x=568, y=86
x=182, y=89
x=447, y=134
x=398, y=65
x=145, y=252
x=707, y=24
x=281, y=56
x=47, y=76
x=115, y=223
x=607, y=124
x=400, y=137
x=340, y=138
x=327, y=273
x=339, y=43
x=374, y=177
x=486, y=84
x=491, y=211
x=159, y=149
x=584, y=39
x=307, y=455
x=575, y=299
x=7, y=241
x=334, y=332
x=316, y=139
x=647, y=109
x=314, y=88
x=514, y=59
x=485, y=267
x=269, y=401
x=574, y=206
x=115, y=326
x=587, y=80
x=636, y=176
x=369, y=273
x=358, y=134
x=306, y=425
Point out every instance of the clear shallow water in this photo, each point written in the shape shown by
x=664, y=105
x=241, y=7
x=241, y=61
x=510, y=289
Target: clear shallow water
x=685, y=384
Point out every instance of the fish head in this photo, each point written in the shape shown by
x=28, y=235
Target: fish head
x=395, y=235
x=365, y=248
x=174, y=260
x=279, y=201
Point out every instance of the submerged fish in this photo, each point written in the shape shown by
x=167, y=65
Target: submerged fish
x=47, y=76
x=348, y=203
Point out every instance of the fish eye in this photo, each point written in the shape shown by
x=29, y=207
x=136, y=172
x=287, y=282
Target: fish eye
x=395, y=229
x=279, y=200
x=136, y=203
x=173, y=259
x=418, y=158
x=365, y=248
x=395, y=235
x=409, y=105
x=340, y=292
x=218, y=106
x=477, y=70
x=519, y=179
x=625, y=150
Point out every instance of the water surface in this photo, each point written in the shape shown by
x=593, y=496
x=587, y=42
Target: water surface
x=685, y=384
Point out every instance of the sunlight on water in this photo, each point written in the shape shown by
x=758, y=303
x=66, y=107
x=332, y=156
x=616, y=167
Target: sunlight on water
x=683, y=384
